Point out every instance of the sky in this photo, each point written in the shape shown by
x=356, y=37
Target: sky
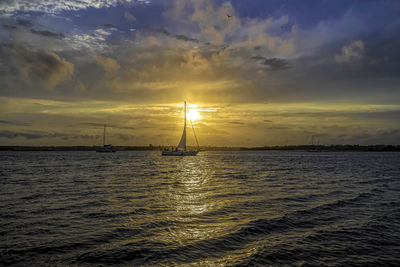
x=254, y=72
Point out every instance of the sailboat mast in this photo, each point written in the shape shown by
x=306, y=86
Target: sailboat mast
x=184, y=127
x=104, y=136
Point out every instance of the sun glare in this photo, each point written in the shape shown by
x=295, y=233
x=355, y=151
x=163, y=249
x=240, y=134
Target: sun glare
x=193, y=114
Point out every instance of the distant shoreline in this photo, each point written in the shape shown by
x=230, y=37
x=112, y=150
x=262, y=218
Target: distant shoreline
x=330, y=148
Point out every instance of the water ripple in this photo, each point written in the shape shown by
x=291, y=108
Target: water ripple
x=216, y=209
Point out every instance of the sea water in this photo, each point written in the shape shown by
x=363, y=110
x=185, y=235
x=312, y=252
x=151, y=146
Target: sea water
x=215, y=209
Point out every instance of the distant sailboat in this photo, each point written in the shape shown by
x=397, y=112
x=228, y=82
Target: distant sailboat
x=313, y=148
x=105, y=148
x=180, y=150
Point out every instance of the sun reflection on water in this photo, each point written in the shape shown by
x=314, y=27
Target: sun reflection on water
x=189, y=200
x=191, y=207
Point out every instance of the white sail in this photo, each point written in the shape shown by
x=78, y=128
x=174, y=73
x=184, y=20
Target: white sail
x=181, y=148
x=182, y=143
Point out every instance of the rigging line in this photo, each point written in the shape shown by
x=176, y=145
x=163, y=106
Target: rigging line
x=194, y=132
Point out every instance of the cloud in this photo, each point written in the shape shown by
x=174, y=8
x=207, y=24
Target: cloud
x=48, y=33
x=55, y=7
x=391, y=132
x=157, y=30
x=13, y=123
x=28, y=64
x=109, y=26
x=185, y=38
x=192, y=50
x=101, y=125
x=45, y=33
x=167, y=33
x=153, y=61
x=236, y=123
x=40, y=135
x=108, y=64
x=91, y=42
x=11, y=135
x=9, y=27
x=24, y=23
x=22, y=31
x=272, y=63
x=102, y=32
x=351, y=52
x=210, y=18
x=129, y=17
x=51, y=68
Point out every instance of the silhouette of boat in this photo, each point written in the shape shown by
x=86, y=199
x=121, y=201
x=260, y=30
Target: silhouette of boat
x=313, y=147
x=105, y=148
x=181, y=150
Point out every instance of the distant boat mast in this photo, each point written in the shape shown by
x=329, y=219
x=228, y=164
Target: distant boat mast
x=104, y=135
x=105, y=148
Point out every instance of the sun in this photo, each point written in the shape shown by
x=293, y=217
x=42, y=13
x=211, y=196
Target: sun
x=193, y=114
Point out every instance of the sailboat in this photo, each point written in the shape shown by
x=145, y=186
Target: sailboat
x=313, y=148
x=181, y=150
x=105, y=148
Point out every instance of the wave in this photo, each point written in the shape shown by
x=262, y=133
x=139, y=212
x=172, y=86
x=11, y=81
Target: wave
x=250, y=232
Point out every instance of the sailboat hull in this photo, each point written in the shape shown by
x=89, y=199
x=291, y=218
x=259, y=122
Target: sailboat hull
x=105, y=149
x=179, y=153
